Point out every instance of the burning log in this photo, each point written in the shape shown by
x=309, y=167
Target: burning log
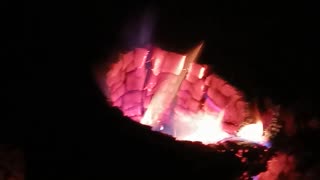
x=176, y=96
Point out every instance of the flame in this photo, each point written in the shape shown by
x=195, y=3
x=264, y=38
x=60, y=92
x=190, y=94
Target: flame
x=252, y=132
x=202, y=126
x=207, y=128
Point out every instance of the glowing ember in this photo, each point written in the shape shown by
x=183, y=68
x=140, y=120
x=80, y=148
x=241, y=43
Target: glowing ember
x=174, y=95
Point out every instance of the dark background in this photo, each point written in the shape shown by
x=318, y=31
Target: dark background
x=53, y=104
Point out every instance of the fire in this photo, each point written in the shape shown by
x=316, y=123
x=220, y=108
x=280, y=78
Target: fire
x=207, y=129
x=171, y=93
x=252, y=132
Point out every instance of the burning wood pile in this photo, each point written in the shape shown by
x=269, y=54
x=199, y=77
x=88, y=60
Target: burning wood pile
x=172, y=94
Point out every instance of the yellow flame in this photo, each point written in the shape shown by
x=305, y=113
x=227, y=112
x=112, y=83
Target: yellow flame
x=252, y=132
x=201, y=73
x=207, y=128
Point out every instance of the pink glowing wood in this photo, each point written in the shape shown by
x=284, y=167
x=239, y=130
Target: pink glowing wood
x=185, y=86
x=197, y=90
x=183, y=99
x=228, y=90
x=115, y=86
x=117, y=93
x=136, y=59
x=131, y=99
x=147, y=100
x=133, y=111
x=160, y=80
x=157, y=60
x=127, y=59
x=117, y=103
x=135, y=80
x=140, y=56
x=151, y=84
x=131, y=88
x=196, y=70
x=173, y=63
x=214, y=81
x=218, y=98
x=193, y=105
x=115, y=75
